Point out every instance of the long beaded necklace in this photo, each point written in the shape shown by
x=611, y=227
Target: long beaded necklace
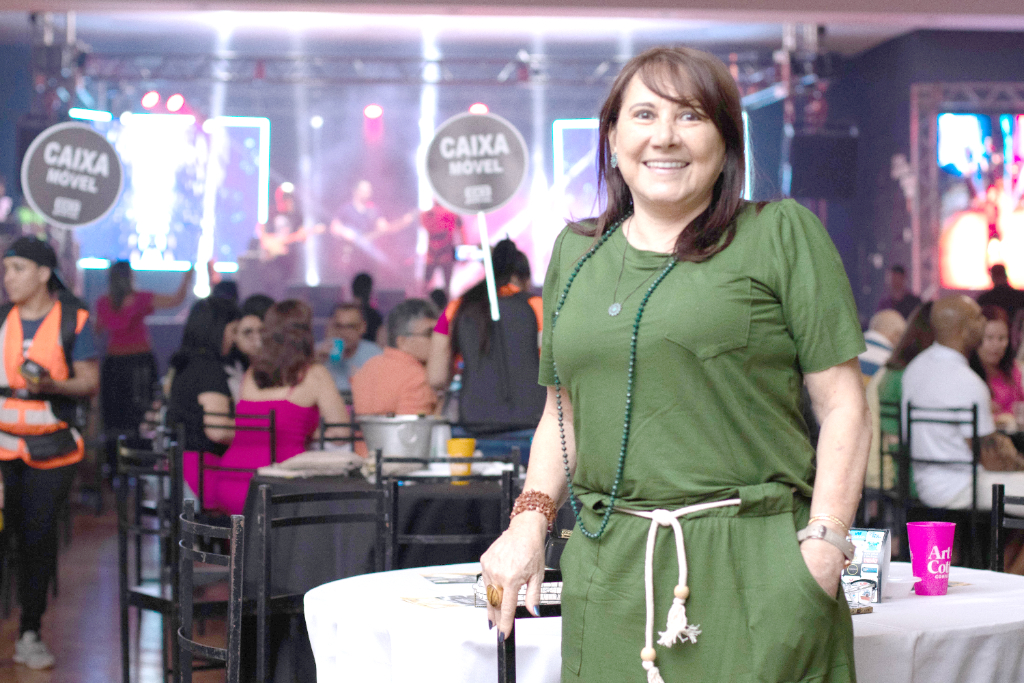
x=573, y=500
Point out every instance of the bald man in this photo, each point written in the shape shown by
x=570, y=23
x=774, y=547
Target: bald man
x=884, y=330
x=939, y=377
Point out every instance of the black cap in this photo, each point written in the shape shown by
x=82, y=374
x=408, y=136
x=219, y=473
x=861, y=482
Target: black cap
x=40, y=252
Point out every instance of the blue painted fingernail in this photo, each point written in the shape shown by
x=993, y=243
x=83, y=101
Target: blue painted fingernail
x=501, y=637
x=536, y=610
x=490, y=624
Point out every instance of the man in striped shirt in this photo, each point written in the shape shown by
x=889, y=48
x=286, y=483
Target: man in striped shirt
x=884, y=330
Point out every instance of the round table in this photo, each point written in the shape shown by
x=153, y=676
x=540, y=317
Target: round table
x=397, y=626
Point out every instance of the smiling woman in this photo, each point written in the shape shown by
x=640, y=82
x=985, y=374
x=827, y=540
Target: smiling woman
x=674, y=360
x=669, y=154
x=674, y=150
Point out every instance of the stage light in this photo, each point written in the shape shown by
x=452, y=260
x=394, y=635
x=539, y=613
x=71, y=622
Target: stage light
x=478, y=108
x=373, y=111
x=90, y=115
x=317, y=122
x=150, y=99
x=175, y=102
x=93, y=263
x=287, y=188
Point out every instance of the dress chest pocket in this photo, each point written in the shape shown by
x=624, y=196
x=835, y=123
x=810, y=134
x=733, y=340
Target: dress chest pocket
x=712, y=315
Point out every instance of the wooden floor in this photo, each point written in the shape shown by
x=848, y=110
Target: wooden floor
x=81, y=625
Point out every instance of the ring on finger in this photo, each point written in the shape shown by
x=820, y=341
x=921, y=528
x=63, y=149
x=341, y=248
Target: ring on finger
x=494, y=595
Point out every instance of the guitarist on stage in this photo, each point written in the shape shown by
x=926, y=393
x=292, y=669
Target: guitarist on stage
x=280, y=237
x=357, y=225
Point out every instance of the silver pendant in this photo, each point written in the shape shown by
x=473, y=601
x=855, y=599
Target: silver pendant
x=614, y=309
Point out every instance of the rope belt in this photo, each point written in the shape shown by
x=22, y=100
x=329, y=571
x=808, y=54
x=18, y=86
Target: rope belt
x=677, y=627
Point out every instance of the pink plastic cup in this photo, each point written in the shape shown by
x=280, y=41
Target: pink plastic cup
x=931, y=551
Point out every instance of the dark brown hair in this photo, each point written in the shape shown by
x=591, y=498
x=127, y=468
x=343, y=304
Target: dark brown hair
x=918, y=336
x=287, y=350
x=993, y=313
x=475, y=306
x=120, y=279
x=692, y=78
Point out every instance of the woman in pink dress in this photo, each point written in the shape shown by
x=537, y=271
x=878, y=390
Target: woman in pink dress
x=284, y=378
x=994, y=362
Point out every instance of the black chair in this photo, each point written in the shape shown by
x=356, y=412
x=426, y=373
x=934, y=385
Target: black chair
x=268, y=424
x=880, y=504
x=397, y=484
x=507, y=648
x=1000, y=522
x=191, y=531
x=149, y=495
x=912, y=506
x=270, y=516
x=354, y=435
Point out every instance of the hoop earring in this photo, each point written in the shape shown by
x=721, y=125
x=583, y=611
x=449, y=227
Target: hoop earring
x=615, y=160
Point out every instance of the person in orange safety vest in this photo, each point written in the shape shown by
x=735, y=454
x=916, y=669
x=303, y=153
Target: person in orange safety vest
x=49, y=364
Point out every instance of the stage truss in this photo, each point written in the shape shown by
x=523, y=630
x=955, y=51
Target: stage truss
x=927, y=101
x=750, y=68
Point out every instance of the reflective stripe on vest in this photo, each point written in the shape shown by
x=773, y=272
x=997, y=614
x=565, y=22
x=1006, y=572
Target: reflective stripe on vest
x=31, y=417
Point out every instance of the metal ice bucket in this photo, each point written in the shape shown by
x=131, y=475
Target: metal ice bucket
x=399, y=436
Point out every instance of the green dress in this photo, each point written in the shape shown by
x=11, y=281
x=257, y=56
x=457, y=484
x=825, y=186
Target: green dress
x=721, y=353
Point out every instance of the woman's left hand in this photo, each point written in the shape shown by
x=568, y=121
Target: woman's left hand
x=825, y=562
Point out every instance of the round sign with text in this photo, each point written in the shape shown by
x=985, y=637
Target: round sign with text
x=476, y=162
x=71, y=175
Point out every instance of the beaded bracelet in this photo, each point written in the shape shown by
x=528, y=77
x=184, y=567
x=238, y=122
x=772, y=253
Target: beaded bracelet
x=537, y=501
x=829, y=518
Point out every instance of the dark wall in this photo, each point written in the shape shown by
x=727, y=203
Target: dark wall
x=874, y=91
x=15, y=100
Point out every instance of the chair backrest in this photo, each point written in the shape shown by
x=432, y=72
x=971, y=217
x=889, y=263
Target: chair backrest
x=342, y=432
x=947, y=416
x=160, y=520
x=155, y=427
x=397, y=484
x=1000, y=522
x=190, y=531
x=351, y=508
x=267, y=423
x=892, y=412
x=956, y=416
x=507, y=647
x=890, y=447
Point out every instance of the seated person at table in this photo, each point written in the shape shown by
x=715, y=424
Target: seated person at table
x=247, y=340
x=200, y=382
x=348, y=326
x=884, y=330
x=993, y=361
x=283, y=378
x=885, y=387
x=940, y=377
x=396, y=380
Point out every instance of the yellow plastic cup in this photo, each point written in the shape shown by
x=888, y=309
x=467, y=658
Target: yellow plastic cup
x=461, y=448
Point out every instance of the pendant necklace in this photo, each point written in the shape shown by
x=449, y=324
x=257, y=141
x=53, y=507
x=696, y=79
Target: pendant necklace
x=630, y=378
x=616, y=306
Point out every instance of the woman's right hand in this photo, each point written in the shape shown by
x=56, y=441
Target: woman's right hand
x=516, y=558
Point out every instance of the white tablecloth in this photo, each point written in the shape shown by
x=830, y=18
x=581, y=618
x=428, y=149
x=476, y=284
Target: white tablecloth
x=362, y=630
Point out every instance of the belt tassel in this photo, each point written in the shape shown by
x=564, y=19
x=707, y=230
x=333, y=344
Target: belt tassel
x=677, y=628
